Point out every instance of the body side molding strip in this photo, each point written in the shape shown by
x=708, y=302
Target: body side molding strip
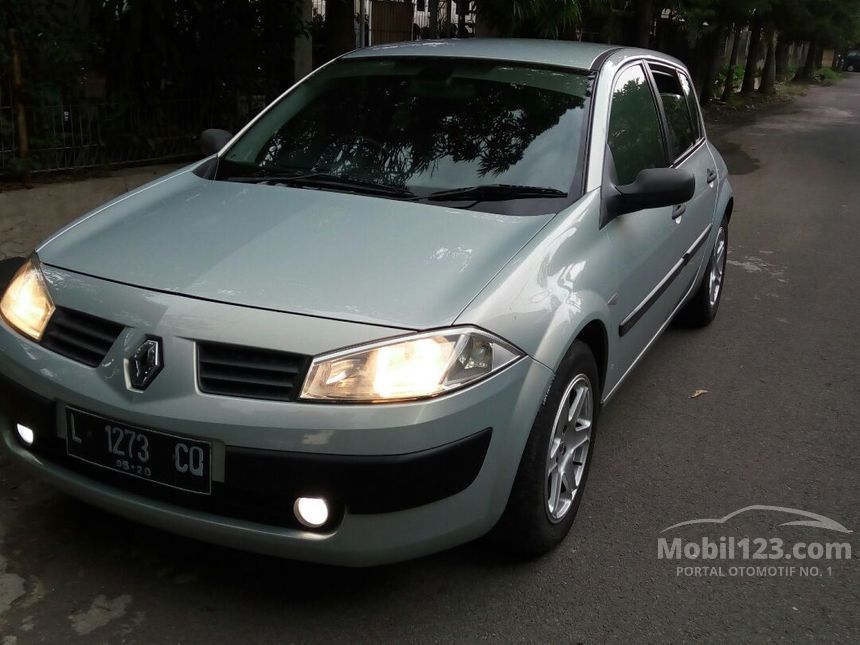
x=642, y=308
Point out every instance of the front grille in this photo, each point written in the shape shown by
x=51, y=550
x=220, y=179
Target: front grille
x=247, y=372
x=79, y=336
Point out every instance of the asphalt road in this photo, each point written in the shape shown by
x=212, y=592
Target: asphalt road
x=778, y=425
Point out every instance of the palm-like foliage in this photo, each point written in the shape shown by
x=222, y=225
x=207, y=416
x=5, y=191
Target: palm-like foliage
x=544, y=18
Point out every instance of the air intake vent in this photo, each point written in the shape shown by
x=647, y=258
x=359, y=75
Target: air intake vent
x=247, y=372
x=79, y=336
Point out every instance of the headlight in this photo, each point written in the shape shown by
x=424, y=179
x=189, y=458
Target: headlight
x=26, y=305
x=414, y=367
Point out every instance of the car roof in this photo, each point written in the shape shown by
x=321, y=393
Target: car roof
x=576, y=55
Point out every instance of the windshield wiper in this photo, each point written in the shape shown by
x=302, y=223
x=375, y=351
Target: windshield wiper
x=494, y=192
x=327, y=180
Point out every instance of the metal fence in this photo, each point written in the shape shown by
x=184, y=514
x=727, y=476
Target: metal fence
x=398, y=20
x=99, y=134
x=93, y=133
x=450, y=12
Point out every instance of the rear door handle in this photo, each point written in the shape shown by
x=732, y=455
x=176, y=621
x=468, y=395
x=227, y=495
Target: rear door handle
x=711, y=176
x=679, y=210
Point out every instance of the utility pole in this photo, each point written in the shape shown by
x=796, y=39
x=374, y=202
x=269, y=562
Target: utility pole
x=434, y=18
x=361, y=19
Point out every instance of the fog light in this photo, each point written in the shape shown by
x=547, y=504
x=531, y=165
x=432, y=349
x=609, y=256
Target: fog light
x=311, y=511
x=26, y=434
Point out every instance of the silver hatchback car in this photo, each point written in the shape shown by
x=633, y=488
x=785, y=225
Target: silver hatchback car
x=382, y=319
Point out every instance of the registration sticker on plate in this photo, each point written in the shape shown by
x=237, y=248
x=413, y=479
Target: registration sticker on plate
x=166, y=459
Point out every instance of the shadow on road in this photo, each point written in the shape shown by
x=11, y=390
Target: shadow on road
x=737, y=159
x=64, y=532
x=8, y=267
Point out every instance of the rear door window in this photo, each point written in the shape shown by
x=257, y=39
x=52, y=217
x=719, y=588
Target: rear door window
x=692, y=104
x=683, y=127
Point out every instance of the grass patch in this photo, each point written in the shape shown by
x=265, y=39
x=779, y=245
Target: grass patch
x=736, y=102
x=741, y=109
x=826, y=76
x=795, y=88
x=822, y=76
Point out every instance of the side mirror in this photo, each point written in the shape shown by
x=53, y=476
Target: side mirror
x=653, y=188
x=212, y=140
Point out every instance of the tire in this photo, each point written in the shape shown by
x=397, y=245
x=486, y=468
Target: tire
x=534, y=522
x=850, y=68
x=702, y=307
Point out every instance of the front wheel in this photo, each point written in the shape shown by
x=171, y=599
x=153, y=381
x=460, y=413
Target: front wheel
x=701, y=310
x=549, y=484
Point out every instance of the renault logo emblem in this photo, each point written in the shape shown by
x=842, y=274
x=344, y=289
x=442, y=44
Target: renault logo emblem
x=146, y=363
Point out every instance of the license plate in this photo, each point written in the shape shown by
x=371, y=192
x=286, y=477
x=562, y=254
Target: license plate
x=169, y=460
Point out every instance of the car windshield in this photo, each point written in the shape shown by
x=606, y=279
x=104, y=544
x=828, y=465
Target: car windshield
x=440, y=129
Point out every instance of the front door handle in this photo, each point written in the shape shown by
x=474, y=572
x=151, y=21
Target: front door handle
x=679, y=210
x=711, y=176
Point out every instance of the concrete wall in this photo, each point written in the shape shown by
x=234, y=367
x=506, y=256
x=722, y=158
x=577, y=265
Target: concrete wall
x=28, y=216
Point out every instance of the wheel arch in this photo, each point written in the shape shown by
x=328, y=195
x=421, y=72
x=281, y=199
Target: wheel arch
x=594, y=335
x=725, y=205
x=591, y=328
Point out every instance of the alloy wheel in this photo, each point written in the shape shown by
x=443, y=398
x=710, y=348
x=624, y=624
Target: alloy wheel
x=569, y=447
x=718, y=268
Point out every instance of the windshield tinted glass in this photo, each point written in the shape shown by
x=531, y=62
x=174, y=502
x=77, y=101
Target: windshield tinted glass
x=426, y=125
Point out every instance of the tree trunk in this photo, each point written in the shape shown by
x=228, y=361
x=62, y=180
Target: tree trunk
x=768, y=72
x=805, y=73
x=445, y=29
x=494, y=19
x=462, y=7
x=697, y=58
x=340, y=26
x=781, y=58
x=819, y=58
x=712, y=64
x=837, y=54
x=748, y=86
x=303, y=46
x=644, y=18
x=729, y=88
x=18, y=110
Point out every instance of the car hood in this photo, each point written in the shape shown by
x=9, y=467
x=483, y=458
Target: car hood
x=313, y=252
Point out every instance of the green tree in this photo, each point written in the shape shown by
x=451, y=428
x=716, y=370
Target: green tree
x=535, y=18
x=818, y=23
x=753, y=51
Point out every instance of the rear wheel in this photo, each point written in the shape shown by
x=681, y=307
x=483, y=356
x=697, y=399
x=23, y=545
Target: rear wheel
x=549, y=484
x=702, y=307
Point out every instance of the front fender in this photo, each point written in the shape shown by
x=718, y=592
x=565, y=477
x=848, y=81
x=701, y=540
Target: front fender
x=553, y=288
x=569, y=323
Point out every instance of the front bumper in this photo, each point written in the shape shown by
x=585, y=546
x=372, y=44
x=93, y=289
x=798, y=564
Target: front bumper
x=403, y=479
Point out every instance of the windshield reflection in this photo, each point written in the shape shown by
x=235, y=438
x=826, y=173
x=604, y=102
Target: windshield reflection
x=424, y=125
